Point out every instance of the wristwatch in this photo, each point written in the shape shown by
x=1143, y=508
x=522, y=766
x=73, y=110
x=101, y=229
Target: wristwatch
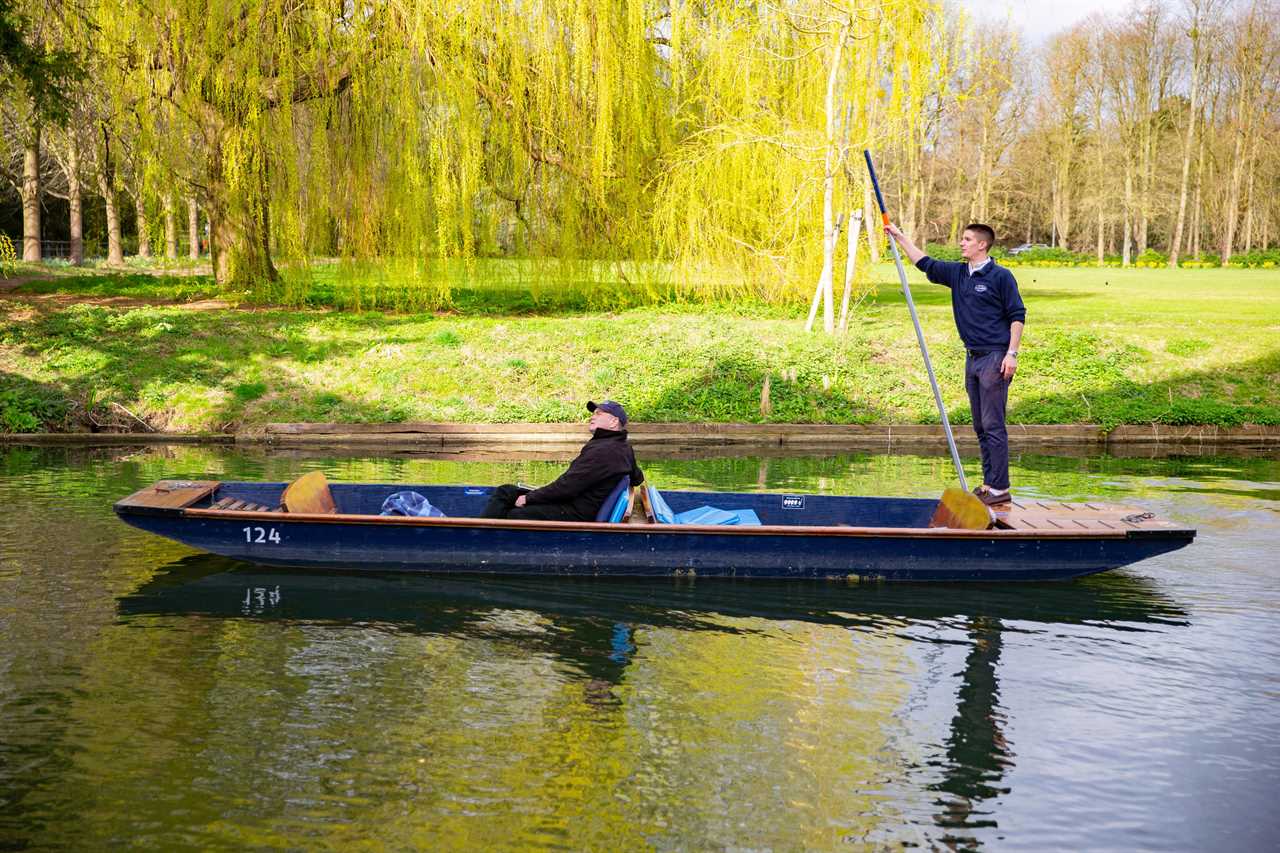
x=1012, y=352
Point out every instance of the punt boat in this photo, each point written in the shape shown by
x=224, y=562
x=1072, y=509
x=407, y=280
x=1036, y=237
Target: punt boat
x=312, y=524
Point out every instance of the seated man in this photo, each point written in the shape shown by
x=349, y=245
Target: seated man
x=579, y=492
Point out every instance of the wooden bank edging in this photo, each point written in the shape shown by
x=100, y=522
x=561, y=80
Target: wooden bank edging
x=672, y=436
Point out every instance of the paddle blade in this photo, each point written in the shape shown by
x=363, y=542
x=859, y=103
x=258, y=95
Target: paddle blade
x=961, y=510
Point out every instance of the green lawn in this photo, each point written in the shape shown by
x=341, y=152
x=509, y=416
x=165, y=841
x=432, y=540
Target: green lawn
x=1103, y=346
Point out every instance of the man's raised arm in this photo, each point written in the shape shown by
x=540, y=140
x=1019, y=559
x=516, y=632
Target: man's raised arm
x=913, y=253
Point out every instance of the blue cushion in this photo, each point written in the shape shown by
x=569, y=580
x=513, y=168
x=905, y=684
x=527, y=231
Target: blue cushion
x=662, y=513
x=615, y=505
x=706, y=515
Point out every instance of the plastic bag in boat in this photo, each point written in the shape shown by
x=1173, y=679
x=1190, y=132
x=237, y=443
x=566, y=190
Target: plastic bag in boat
x=410, y=503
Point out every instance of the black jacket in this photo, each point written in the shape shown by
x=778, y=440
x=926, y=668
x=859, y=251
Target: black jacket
x=592, y=476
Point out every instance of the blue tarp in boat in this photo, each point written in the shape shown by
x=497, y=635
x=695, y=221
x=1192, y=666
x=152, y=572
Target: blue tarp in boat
x=699, y=515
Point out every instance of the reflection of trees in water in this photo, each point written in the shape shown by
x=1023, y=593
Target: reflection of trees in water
x=734, y=685
x=977, y=753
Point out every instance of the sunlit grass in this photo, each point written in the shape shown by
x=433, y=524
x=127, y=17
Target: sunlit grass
x=1102, y=346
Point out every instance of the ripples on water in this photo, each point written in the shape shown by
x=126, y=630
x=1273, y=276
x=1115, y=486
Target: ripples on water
x=151, y=696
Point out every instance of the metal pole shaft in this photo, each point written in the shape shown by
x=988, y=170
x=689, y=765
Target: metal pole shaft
x=915, y=321
x=924, y=351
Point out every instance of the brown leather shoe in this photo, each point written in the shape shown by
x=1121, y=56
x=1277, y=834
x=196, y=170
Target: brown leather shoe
x=990, y=498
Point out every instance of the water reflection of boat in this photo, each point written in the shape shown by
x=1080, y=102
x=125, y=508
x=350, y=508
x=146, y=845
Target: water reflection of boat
x=791, y=536
x=217, y=586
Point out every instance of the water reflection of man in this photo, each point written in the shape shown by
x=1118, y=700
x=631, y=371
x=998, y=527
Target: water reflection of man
x=977, y=752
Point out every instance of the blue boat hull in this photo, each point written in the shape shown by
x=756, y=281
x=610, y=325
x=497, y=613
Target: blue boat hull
x=463, y=545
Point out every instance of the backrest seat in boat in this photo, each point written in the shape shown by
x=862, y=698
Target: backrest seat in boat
x=309, y=493
x=614, y=508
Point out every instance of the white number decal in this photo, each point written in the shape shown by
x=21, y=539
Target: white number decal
x=261, y=534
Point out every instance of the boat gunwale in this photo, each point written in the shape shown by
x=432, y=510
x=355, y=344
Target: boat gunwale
x=683, y=529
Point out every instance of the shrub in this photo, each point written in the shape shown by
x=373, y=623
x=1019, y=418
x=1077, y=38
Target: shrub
x=8, y=257
x=943, y=252
x=24, y=410
x=1257, y=259
x=1151, y=258
x=1050, y=257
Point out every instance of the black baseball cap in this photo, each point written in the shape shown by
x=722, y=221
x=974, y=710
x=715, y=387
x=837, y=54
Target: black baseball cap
x=610, y=407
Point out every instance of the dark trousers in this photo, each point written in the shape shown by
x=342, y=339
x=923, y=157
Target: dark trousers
x=988, y=397
x=502, y=504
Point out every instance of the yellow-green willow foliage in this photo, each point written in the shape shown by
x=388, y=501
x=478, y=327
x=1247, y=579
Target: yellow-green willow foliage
x=518, y=129
x=740, y=202
x=232, y=97
x=638, y=146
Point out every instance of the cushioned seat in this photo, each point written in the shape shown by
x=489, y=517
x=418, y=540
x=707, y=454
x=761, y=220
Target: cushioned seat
x=614, y=508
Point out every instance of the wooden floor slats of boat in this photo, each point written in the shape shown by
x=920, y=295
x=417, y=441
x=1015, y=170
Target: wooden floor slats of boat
x=1060, y=515
x=242, y=506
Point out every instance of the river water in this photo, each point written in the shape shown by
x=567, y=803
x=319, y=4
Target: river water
x=159, y=698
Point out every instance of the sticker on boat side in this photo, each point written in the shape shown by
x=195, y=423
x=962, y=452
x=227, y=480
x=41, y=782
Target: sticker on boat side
x=793, y=502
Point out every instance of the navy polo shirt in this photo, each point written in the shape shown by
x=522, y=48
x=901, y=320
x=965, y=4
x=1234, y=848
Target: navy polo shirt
x=984, y=304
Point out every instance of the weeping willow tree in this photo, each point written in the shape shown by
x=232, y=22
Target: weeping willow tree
x=775, y=105
x=692, y=143
x=213, y=91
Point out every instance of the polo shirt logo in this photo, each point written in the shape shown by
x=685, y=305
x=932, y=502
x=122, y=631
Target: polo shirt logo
x=979, y=288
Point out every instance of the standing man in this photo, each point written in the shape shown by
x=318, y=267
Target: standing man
x=990, y=316
x=579, y=492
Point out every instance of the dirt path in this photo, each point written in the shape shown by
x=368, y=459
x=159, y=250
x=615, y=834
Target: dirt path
x=54, y=301
x=10, y=284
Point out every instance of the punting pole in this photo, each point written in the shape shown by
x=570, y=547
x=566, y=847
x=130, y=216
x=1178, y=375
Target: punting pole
x=924, y=349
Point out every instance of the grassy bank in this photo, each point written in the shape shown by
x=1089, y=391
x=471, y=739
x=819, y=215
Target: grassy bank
x=1103, y=346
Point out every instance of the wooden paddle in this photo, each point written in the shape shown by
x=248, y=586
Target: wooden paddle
x=963, y=507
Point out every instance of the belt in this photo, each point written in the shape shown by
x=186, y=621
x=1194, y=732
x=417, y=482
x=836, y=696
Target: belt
x=979, y=353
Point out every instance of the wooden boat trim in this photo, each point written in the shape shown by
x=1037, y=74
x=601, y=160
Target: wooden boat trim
x=688, y=529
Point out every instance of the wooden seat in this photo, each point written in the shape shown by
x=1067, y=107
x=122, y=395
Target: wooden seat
x=309, y=493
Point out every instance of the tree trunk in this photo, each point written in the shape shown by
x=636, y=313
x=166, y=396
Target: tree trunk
x=1197, y=205
x=1101, y=160
x=1232, y=204
x=874, y=232
x=832, y=163
x=1128, y=210
x=1248, y=213
x=850, y=267
x=170, y=228
x=1175, y=244
x=75, y=199
x=107, y=187
x=1061, y=207
x=984, y=168
x=237, y=231
x=193, y=229
x=31, y=196
x=1144, y=192
x=144, y=230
